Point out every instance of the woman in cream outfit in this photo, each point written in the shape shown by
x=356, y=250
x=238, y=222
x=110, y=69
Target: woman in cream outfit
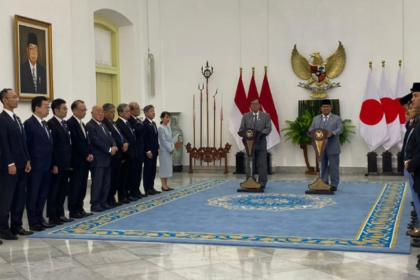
x=167, y=148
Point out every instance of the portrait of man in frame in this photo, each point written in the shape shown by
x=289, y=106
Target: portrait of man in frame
x=33, y=58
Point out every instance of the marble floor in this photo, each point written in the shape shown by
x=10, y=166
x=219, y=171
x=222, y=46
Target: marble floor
x=85, y=260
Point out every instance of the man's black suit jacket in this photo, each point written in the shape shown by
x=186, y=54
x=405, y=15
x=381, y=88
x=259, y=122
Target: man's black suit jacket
x=81, y=148
x=151, y=137
x=129, y=135
x=13, y=147
x=116, y=136
x=40, y=145
x=101, y=143
x=61, y=144
x=139, y=129
x=27, y=81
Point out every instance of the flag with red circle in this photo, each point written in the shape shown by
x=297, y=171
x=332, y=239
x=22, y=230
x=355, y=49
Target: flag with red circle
x=373, y=127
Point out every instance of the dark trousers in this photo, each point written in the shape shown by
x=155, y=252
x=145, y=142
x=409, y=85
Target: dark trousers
x=12, y=198
x=99, y=189
x=38, y=185
x=57, y=194
x=137, y=171
x=126, y=179
x=78, y=187
x=260, y=161
x=115, y=179
x=149, y=172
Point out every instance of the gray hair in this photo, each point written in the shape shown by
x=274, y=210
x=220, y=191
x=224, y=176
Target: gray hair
x=108, y=106
x=121, y=107
x=147, y=108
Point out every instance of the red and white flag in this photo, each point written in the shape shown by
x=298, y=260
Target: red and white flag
x=401, y=90
x=252, y=92
x=267, y=104
x=391, y=112
x=239, y=107
x=373, y=127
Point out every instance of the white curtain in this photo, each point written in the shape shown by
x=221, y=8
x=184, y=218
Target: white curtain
x=103, y=52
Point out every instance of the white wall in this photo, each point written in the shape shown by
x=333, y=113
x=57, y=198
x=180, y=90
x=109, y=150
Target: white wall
x=184, y=34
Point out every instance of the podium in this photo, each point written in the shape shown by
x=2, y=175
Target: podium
x=250, y=139
x=319, y=138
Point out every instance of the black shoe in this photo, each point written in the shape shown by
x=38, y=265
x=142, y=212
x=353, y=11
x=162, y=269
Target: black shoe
x=8, y=235
x=97, y=209
x=418, y=256
x=334, y=189
x=123, y=201
x=85, y=213
x=1, y=242
x=21, y=232
x=165, y=190
x=37, y=227
x=55, y=221
x=412, y=203
x=150, y=193
x=132, y=198
x=115, y=204
x=47, y=225
x=64, y=219
x=156, y=192
x=77, y=216
x=106, y=206
x=418, y=265
x=143, y=195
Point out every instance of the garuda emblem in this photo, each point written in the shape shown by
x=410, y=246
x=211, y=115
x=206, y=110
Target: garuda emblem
x=319, y=72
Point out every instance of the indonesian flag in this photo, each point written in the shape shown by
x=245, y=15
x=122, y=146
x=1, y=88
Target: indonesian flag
x=391, y=112
x=252, y=92
x=239, y=107
x=400, y=91
x=267, y=104
x=373, y=127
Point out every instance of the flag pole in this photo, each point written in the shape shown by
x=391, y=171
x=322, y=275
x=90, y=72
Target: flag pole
x=221, y=121
x=194, y=118
x=201, y=114
x=214, y=119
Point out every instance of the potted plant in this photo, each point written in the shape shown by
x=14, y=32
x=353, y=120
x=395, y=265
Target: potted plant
x=296, y=132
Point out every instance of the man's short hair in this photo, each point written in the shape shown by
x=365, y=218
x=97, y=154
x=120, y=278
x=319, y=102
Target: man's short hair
x=147, y=108
x=108, y=106
x=253, y=99
x=75, y=104
x=120, y=108
x=3, y=94
x=37, y=102
x=56, y=104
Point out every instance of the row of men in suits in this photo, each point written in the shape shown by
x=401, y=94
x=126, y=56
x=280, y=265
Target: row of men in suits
x=43, y=162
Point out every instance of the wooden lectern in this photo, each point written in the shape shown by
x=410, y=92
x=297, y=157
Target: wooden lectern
x=250, y=139
x=319, y=138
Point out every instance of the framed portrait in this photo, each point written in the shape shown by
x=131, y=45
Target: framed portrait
x=33, y=58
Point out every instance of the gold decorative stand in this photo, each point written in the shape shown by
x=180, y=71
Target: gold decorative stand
x=208, y=154
x=319, y=138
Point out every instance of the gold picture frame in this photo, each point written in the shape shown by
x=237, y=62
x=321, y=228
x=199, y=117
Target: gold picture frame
x=33, y=58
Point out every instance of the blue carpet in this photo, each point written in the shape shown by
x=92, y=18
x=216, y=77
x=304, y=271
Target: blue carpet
x=361, y=216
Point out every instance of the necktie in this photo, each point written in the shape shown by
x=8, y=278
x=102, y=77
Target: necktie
x=154, y=126
x=116, y=128
x=255, y=121
x=129, y=125
x=16, y=120
x=44, y=124
x=103, y=129
x=325, y=120
x=408, y=139
x=63, y=125
x=34, y=78
x=83, y=129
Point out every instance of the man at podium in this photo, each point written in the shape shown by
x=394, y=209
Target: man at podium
x=260, y=121
x=331, y=156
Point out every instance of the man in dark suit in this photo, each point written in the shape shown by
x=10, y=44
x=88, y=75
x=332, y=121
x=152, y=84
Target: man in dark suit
x=127, y=171
x=122, y=147
x=33, y=78
x=61, y=163
x=260, y=121
x=151, y=147
x=39, y=142
x=331, y=158
x=137, y=124
x=103, y=147
x=81, y=157
x=14, y=167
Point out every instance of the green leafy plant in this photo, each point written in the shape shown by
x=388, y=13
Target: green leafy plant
x=297, y=130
